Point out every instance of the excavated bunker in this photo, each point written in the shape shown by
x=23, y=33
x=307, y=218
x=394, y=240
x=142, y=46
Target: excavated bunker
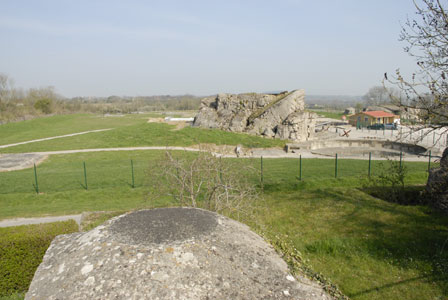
x=357, y=148
x=167, y=253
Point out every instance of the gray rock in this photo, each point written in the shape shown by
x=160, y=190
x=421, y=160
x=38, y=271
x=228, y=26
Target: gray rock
x=437, y=185
x=275, y=115
x=167, y=253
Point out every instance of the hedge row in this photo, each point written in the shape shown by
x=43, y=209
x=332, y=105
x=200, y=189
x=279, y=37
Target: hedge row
x=21, y=251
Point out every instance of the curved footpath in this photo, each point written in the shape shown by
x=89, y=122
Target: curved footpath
x=254, y=153
x=19, y=161
x=52, y=138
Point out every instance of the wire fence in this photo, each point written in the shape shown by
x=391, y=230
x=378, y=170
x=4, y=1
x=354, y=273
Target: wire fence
x=426, y=136
x=135, y=173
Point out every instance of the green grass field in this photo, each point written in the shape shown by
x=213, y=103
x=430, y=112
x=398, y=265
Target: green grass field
x=329, y=114
x=61, y=125
x=21, y=251
x=368, y=247
x=129, y=131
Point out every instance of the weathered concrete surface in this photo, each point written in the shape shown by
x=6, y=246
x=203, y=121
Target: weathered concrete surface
x=280, y=116
x=171, y=253
x=437, y=185
x=19, y=161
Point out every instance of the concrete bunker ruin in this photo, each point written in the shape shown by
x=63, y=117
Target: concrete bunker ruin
x=167, y=253
x=281, y=115
x=359, y=147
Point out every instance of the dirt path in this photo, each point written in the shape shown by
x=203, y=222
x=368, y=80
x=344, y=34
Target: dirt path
x=53, y=137
x=29, y=221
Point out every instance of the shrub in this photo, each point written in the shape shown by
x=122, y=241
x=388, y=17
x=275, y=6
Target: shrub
x=389, y=185
x=206, y=181
x=21, y=251
x=44, y=105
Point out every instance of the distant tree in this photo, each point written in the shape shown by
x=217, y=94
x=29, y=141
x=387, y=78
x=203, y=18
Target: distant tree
x=379, y=95
x=358, y=107
x=44, y=105
x=5, y=88
x=425, y=91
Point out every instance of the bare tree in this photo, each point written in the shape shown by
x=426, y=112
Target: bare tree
x=5, y=88
x=378, y=95
x=204, y=181
x=425, y=93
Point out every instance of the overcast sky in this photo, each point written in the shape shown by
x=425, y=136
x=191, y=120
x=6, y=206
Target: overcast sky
x=102, y=48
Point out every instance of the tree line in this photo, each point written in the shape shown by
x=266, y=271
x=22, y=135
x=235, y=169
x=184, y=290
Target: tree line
x=17, y=104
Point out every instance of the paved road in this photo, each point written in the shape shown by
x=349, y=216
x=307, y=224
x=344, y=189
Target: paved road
x=29, y=221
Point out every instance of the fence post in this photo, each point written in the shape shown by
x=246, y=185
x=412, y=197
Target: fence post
x=300, y=167
x=336, y=166
x=433, y=137
x=370, y=162
x=429, y=161
x=132, y=170
x=85, y=174
x=401, y=159
x=36, y=187
x=261, y=173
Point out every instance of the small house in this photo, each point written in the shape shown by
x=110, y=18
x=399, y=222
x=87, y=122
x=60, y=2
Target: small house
x=367, y=118
x=350, y=111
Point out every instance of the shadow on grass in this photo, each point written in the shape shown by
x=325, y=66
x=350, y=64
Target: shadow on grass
x=401, y=235
x=385, y=286
x=408, y=195
x=347, y=223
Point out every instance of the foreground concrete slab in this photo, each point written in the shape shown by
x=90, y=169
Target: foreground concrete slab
x=167, y=253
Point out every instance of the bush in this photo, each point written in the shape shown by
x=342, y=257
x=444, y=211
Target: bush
x=44, y=105
x=205, y=181
x=21, y=251
x=389, y=185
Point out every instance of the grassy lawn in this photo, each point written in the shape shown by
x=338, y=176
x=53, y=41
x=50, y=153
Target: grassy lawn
x=63, y=124
x=370, y=248
x=21, y=251
x=128, y=131
x=329, y=114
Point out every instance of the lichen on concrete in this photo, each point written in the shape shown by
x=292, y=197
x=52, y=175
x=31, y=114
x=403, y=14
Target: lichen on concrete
x=169, y=253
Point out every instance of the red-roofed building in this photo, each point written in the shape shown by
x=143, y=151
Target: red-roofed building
x=367, y=118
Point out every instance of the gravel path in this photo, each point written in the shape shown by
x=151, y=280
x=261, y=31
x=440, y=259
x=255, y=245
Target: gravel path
x=29, y=221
